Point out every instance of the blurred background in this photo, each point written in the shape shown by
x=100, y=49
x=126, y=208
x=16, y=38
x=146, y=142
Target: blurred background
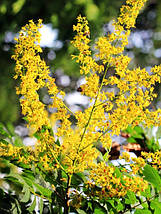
x=59, y=16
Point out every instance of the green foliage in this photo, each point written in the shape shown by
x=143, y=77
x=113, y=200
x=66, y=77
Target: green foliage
x=152, y=176
x=131, y=198
x=142, y=211
x=136, y=133
x=35, y=183
x=28, y=183
x=156, y=206
x=144, y=137
x=4, y=133
x=80, y=211
x=32, y=206
x=7, y=133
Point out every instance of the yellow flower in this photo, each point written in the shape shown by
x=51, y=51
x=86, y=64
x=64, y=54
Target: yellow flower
x=125, y=156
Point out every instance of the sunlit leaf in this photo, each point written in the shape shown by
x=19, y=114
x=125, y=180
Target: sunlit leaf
x=142, y=211
x=81, y=211
x=41, y=204
x=152, y=176
x=32, y=206
x=26, y=196
x=156, y=206
x=132, y=197
x=42, y=190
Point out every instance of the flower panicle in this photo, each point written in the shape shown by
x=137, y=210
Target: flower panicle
x=110, y=111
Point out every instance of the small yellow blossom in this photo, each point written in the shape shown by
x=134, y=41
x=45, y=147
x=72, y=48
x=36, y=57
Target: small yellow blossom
x=125, y=156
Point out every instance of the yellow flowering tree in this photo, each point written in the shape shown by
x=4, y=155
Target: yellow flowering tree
x=77, y=176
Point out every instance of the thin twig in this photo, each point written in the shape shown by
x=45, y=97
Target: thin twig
x=138, y=205
x=68, y=109
x=94, y=105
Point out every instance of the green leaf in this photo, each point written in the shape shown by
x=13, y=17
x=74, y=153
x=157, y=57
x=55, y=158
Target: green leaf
x=138, y=129
x=131, y=140
x=4, y=141
x=18, y=142
x=152, y=176
x=111, y=202
x=42, y=190
x=29, y=183
x=136, y=132
x=37, y=136
x=100, y=157
x=81, y=211
x=32, y=206
x=119, y=206
x=138, y=136
x=41, y=204
x=132, y=197
x=106, y=156
x=28, y=174
x=159, y=197
x=142, y=211
x=117, y=172
x=21, y=165
x=147, y=193
x=25, y=118
x=98, y=209
x=18, y=207
x=77, y=179
x=10, y=129
x=127, y=201
x=92, y=11
x=158, y=133
x=41, y=154
x=156, y=206
x=90, y=205
x=4, y=132
x=129, y=130
x=144, y=205
x=157, y=211
x=22, y=181
x=17, y=176
x=26, y=196
x=57, y=142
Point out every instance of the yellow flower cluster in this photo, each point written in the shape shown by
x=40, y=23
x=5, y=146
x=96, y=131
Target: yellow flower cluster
x=9, y=150
x=130, y=12
x=42, y=154
x=135, y=87
x=153, y=158
x=81, y=42
x=34, y=75
x=125, y=156
x=138, y=165
x=112, y=184
x=32, y=71
x=114, y=43
x=90, y=89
